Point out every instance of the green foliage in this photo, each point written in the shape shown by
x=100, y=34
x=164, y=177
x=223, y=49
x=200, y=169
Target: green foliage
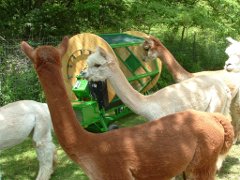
x=165, y=78
x=220, y=16
x=193, y=30
x=18, y=81
x=20, y=86
x=47, y=18
x=31, y=18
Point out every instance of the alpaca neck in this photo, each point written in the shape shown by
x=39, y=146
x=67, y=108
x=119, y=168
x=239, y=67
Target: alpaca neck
x=177, y=71
x=129, y=96
x=68, y=130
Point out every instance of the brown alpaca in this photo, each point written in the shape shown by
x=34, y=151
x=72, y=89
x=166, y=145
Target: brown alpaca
x=189, y=141
x=155, y=49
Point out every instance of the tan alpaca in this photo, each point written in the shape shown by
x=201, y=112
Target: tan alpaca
x=189, y=141
x=156, y=49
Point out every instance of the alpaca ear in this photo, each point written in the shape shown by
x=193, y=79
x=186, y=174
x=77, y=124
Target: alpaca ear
x=63, y=46
x=28, y=50
x=102, y=52
x=231, y=40
x=147, y=44
x=149, y=41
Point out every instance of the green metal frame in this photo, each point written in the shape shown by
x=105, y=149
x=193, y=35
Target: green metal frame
x=117, y=40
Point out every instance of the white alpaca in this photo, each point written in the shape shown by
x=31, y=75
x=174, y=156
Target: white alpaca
x=233, y=52
x=155, y=49
x=200, y=93
x=18, y=120
x=232, y=65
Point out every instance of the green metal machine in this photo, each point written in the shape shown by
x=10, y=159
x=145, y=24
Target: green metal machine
x=92, y=109
x=92, y=106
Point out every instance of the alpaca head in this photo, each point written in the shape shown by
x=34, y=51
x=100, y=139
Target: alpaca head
x=150, y=47
x=233, y=52
x=45, y=54
x=98, y=66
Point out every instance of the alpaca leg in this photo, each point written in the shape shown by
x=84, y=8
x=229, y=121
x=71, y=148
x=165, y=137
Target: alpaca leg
x=220, y=104
x=46, y=154
x=202, y=176
x=200, y=172
x=220, y=160
x=205, y=176
x=236, y=116
x=226, y=108
x=207, y=173
x=46, y=151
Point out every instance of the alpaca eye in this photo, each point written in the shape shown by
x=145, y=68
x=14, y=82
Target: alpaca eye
x=97, y=65
x=146, y=48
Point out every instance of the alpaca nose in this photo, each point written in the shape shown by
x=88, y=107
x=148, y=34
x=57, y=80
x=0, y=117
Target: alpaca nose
x=227, y=63
x=228, y=66
x=83, y=73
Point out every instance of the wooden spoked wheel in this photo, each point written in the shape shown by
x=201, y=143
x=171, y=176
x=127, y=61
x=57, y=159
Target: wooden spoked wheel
x=82, y=45
x=74, y=61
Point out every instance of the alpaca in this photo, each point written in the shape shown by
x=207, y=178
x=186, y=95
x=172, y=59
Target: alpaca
x=232, y=65
x=155, y=49
x=20, y=119
x=233, y=62
x=189, y=141
x=199, y=93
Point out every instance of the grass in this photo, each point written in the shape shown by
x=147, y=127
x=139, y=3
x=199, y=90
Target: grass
x=20, y=162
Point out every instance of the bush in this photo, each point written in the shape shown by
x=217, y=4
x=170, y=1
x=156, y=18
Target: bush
x=18, y=81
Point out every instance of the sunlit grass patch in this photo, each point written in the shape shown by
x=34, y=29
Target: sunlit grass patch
x=19, y=162
x=231, y=166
